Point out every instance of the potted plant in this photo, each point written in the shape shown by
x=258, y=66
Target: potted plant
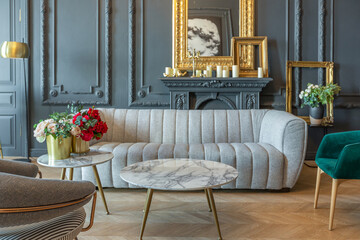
x=315, y=97
x=87, y=126
x=56, y=132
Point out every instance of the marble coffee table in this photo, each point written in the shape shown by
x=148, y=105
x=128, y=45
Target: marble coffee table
x=90, y=159
x=179, y=175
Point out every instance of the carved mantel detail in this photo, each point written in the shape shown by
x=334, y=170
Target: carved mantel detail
x=236, y=93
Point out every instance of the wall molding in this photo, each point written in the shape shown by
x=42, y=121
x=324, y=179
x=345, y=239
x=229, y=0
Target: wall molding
x=144, y=90
x=298, y=48
x=321, y=39
x=51, y=93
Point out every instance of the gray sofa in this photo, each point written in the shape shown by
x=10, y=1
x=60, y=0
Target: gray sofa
x=267, y=147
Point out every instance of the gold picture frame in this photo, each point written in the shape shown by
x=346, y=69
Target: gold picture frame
x=180, y=34
x=329, y=66
x=261, y=41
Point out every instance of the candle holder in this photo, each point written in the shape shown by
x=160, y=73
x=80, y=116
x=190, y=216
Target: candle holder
x=194, y=55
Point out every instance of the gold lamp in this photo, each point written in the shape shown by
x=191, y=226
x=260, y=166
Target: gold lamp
x=14, y=50
x=18, y=50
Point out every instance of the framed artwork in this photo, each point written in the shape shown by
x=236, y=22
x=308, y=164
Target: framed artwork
x=210, y=31
x=239, y=44
x=290, y=65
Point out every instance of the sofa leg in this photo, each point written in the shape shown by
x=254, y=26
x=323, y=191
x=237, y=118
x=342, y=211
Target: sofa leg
x=317, y=188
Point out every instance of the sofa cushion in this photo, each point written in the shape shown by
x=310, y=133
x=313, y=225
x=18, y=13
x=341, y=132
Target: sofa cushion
x=260, y=165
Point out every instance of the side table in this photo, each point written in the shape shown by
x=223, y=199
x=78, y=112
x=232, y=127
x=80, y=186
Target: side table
x=92, y=159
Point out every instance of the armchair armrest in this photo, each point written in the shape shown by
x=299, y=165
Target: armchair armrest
x=333, y=144
x=288, y=134
x=25, y=200
x=348, y=164
x=18, y=168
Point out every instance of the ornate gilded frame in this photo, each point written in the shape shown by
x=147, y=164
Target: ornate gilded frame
x=236, y=42
x=180, y=16
x=329, y=66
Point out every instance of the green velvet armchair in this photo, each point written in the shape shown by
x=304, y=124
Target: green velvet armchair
x=33, y=208
x=339, y=157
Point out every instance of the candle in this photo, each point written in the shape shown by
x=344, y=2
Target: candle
x=205, y=73
x=219, y=71
x=168, y=71
x=198, y=73
x=174, y=71
x=209, y=71
x=235, y=71
x=260, y=72
x=225, y=73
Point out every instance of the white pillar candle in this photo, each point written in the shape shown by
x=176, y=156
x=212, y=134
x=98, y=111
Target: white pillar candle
x=260, y=72
x=225, y=73
x=174, y=71
x=168, y=71
x=209, y=71
x=235, y=71
x=219, y=71
x=205, y=73
x=198, y=73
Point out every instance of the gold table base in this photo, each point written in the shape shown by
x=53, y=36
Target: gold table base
x=211, y=204
x=71, y=174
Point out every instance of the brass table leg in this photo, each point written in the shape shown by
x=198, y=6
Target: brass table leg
x=63, y=172
x=100, y=188
x=212, y=202
x=146, y=213
x=207, y=198
x=71, y=174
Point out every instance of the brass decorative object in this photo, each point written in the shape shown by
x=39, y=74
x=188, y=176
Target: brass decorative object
x=168, y=75
x=180, y=36
x=193, y=56
x=79, y=146
x=58, y=148
x=329, y=66
x=179, y=73
x=239, y=43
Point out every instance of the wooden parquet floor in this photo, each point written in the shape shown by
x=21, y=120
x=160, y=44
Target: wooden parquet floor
x=242, y=214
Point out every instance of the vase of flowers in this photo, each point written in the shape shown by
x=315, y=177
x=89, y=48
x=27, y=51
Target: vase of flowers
x=56, y=132
x=87, y=126
x=315, y=96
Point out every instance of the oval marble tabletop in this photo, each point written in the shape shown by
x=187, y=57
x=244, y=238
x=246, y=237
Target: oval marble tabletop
x=178, y=174
x=75, y=161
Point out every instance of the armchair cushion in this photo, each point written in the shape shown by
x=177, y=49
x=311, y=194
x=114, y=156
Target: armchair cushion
x=18, y=168
x=18, y=192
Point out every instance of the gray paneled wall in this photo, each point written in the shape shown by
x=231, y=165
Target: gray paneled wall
x=112, y=52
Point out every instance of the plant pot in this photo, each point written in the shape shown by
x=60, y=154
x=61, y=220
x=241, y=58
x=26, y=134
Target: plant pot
x=79, y=146
x=58, y=148
x=316, y=115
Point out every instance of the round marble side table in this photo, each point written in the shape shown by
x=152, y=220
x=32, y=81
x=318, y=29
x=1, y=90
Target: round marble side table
x=179, y=175
x=92, y=159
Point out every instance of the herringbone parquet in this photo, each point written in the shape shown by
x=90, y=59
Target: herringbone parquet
x=242, y=214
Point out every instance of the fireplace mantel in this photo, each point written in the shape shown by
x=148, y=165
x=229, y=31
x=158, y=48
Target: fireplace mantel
x=236, y=93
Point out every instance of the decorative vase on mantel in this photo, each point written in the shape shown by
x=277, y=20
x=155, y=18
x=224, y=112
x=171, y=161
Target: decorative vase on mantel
x=58, y=148
x=316, y=115
x=79, y=146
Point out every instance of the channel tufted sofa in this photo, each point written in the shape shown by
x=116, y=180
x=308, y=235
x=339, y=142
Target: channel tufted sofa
x=267, y=147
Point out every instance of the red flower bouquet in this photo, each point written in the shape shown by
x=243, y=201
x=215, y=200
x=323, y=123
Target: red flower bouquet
x=88, y=125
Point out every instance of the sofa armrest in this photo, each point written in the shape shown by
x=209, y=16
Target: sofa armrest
x=332, y=144
x=18, y=168
x=288, y=134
